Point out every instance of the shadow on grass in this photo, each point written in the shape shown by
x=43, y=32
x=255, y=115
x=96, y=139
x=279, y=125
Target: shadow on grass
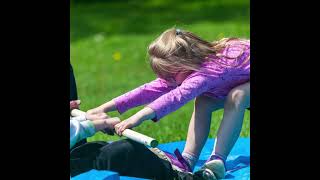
x=91, y=17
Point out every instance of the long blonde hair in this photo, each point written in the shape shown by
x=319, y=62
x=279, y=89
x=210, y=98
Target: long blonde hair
x=180, y=51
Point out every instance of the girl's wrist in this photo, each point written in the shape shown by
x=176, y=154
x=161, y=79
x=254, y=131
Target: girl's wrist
x=109, y=106
x=145, y=114
x=138, y=117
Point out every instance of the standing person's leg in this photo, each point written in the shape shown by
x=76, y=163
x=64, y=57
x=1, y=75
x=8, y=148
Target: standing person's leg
x=236, y=103
x=199, y=127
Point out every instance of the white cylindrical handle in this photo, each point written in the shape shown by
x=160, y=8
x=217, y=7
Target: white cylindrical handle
x=140, y=138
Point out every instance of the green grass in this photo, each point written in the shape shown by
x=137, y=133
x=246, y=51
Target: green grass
x=101, y=28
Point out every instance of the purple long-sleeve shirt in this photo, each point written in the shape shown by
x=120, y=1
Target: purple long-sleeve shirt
x=215, y=78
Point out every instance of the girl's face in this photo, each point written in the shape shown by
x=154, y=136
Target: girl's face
x=181, y=76
x=177, y=78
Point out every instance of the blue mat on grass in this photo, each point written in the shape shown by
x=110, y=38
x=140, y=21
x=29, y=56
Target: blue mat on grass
x=238, y=162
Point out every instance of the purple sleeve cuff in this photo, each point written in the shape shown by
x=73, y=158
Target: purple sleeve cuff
x=158, y=115
x=120, y=104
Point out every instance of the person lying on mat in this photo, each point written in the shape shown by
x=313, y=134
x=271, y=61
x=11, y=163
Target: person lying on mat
x=127, y=158
x=189, y=67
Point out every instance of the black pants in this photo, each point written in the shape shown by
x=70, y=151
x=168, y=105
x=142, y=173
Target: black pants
x=126, y=157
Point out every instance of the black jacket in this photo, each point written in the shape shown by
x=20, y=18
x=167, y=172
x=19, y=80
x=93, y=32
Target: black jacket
x=73, y=86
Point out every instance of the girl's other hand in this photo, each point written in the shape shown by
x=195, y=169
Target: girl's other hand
x=126, y=124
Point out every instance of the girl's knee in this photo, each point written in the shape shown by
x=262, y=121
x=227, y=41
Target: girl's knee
x=237, y=99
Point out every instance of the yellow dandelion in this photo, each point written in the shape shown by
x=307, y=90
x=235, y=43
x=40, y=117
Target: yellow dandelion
x=116, y=56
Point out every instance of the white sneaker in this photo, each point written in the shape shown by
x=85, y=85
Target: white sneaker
x=217, y=168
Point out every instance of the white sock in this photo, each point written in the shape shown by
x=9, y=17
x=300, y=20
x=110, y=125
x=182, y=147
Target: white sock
x=191, y=159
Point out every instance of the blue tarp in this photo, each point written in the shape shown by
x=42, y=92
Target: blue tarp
x=238, y=162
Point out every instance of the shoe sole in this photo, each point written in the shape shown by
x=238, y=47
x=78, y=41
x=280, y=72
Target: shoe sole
x=206, y=174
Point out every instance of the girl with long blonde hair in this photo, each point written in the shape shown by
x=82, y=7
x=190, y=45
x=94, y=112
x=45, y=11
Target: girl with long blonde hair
x=216, y=73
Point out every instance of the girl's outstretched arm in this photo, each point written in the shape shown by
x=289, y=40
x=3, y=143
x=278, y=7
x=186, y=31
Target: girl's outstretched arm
x=106, y=107
x=167, y=103
x=137, y=97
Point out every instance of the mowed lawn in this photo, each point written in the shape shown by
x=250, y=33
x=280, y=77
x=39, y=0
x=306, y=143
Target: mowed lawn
x=108, y=45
